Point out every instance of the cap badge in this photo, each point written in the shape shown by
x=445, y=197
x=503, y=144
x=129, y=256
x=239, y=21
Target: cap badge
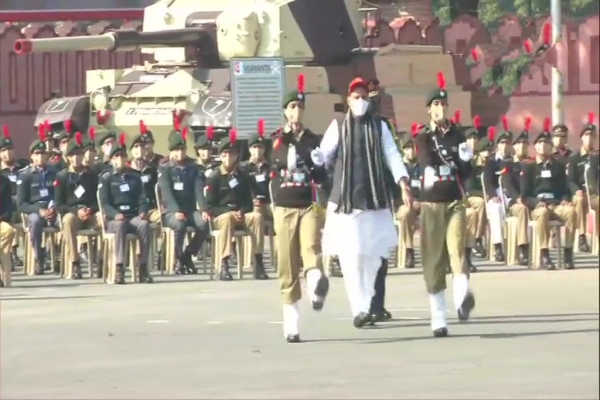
x=442, y=93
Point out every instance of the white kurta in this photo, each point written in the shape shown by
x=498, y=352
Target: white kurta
x=363, y=232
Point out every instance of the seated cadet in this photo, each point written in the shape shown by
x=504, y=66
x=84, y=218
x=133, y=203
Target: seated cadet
x=153, y=158
x=89, y=145
x=229, y=201
x=407, y=217
x=472, y=134
x=183, y=202
x=544, y=188
x=560, y=137
x=594, y=179
x=576, y=170
x=204, y=154
x=7, y=232
x=476, y=219
x=148, y=174
x=510, y=178
x=10, y=168
x=105, y=140
x=125, y=209
x=75, y=197
x=35, y=197
x=63, y=136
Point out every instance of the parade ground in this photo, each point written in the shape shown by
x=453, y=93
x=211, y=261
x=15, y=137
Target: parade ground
x=533, y=335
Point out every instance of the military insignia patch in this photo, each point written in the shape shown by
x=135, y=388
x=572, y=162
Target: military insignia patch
x=442, y=93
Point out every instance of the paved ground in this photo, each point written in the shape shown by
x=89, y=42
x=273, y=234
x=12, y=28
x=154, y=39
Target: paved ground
x=533, y=335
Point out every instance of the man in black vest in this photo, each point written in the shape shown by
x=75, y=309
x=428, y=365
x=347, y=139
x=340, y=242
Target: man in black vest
x=363, y=151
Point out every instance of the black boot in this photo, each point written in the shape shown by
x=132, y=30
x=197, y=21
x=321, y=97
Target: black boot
x=145, y=276
x=259, y=270
x=1, y=283
x=336, y=270
x=470, y=265
x=546, y=261
x=361, y=320
x=523, y=257
x=120, y=275
x=76, y=271
x=479, y=249
x=410, y=258
x=39, y=267
x=188, y=262
x=180, y=267
x=225, y=275
x=17, y=262
x=466, y=307
x=499, y=253
x=583, y=244
x=568, y=259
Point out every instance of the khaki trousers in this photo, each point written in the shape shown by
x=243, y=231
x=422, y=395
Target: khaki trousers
x=595, y=206
x=521, y=213
x=71, y=224
x=407, y=219
x=226, y=224
x=443, y=232
x=298, y=241
x=543, y=216
x=154, y=216
x=249, y=251
x=476, y=220
x=7, y=234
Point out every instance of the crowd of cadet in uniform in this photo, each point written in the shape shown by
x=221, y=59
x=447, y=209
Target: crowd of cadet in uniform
x=61, y=183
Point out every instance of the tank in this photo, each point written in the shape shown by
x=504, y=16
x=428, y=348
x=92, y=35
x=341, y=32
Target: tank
x=193, y=41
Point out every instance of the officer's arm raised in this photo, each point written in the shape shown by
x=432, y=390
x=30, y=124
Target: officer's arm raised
x=166, y=191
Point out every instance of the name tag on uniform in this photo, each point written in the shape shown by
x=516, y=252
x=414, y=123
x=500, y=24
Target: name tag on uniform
x=233, y=183
x=299, y=177
x=445, y=170
x=79, y=191
x=13, y=178
x=415, y=183
x=124, y=187
x=548, y=196
x=124, y=207
x=178, y=186
x=207, y=172
x=44, y=193
x=546, y=173
x=145, y=178
x=260, y=178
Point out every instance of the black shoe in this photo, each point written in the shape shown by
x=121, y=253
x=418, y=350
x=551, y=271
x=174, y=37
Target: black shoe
x=523, y=257
x=410, y=259
x=145, y=276
x=499, y=253
x=479, y=249
x=77, y=271
x=546, y=261
x=440, y=332
x=293, y=338
x=1, y=283
x=16, y=261
x=225, y=275
x=259, y=270
x=583, y=244
x=361, y=320
x=321, y=292
x=120, y=276
x=188, y=263
x=472, y=268
x=380, y=316
x=39, y=268
x=466, y=307
x=568, y=258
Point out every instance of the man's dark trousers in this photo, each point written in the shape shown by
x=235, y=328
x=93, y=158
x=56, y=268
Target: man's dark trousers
x=378, y=301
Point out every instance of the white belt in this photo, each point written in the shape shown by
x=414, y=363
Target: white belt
x=547, y=196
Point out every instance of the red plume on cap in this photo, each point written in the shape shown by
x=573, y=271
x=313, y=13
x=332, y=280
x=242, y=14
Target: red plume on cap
x=210, y=132
x=69, y=126
x=591, y=119
x=527, y=124
x=176, y=121
x=92, y=133
x=122, y=140
x=232, y=135
x=78, y=139
x=261, y=128
x=477, y=122
x=547, y=33
x=491, y=133
x=6, y=131
x=184, y=133
x=47, y=127
x=42, y=131
x=300, y=86
x=505, y=123
x=143, y=129
x=547, y=124
x=474, y=55
x=528, y=46
x=457, y=117
x=441, y=80
x=414, y=128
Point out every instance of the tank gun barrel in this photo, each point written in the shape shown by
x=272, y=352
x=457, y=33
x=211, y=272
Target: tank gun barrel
x=115, y=40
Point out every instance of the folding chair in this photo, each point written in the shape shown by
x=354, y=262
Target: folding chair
x=238, y=236
x=49, y=238
x=591, y=213
x=109, y=265
x=534, y=244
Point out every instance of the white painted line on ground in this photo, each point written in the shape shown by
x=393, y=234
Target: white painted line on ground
x=214, y=322
x=275, y=322
x=408, y=309
x=157, y=321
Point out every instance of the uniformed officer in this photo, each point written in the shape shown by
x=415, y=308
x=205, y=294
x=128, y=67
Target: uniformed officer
x=62, y=137
x=181, y=189
x=90, y=157
x=544, y=188
x=125, y=209
x=105, y=140
x=75, y=197
x=148, y=174
x=407, y=217
x=7, y=232
x=445, y=158
x=593, y=187
x=204, y=152
x=472, y=134
x=35, y=197
x=560, y=137
x=229, y=201
x=296, y=219
x=10, y=168
x=577, y=166
x=153, y=158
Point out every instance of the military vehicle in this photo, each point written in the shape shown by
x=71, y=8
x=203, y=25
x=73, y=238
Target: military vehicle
x=192, y=42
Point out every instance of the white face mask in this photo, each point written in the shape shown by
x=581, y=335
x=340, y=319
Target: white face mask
x=359, y=107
